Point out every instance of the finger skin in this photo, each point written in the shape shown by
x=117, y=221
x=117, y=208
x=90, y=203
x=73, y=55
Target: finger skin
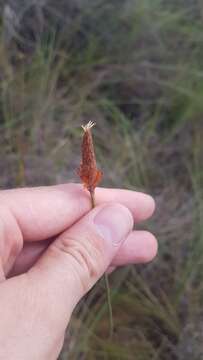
x=35, y=307
x=43, y=299
x=25, y=331
x=2, y=274
x=79, y=257
x=46, y=211
x=140, y=247
x=29, y=255
x=11, y=240
x=141, y=205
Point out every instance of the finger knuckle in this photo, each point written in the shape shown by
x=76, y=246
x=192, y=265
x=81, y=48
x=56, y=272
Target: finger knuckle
x=86, y=255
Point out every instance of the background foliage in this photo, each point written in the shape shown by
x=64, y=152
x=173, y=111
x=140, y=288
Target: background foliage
x=136, y=68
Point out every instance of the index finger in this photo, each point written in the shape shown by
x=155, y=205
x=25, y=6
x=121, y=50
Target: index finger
x=44, y=212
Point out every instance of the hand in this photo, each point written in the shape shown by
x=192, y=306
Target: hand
x=53, y=249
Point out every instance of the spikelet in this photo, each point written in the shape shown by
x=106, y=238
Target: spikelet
x=90, y=177
x=88, y=172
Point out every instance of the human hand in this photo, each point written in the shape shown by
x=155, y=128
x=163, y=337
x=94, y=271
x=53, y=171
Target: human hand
x=53, y=249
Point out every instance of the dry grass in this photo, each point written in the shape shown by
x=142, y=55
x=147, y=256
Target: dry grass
x=136, y=70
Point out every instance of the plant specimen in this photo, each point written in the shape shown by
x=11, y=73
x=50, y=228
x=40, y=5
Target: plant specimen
x=88, y=172
x=90, y=177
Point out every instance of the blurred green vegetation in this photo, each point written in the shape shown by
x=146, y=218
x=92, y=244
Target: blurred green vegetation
x=136, y=69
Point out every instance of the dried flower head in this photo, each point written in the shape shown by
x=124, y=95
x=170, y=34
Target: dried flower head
x=91, y=176
x=88, y=172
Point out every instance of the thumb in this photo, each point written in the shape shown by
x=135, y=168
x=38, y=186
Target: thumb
x=80, y=256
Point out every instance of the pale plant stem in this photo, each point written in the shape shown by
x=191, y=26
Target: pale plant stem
x=106, y=281
x=108, y=295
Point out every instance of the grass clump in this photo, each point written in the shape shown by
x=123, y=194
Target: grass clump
x=136, y=69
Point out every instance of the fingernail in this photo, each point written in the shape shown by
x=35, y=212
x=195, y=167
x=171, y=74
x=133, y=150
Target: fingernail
x=113, y=223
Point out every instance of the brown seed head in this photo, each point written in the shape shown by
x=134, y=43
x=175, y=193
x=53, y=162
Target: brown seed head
x=88, y=172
